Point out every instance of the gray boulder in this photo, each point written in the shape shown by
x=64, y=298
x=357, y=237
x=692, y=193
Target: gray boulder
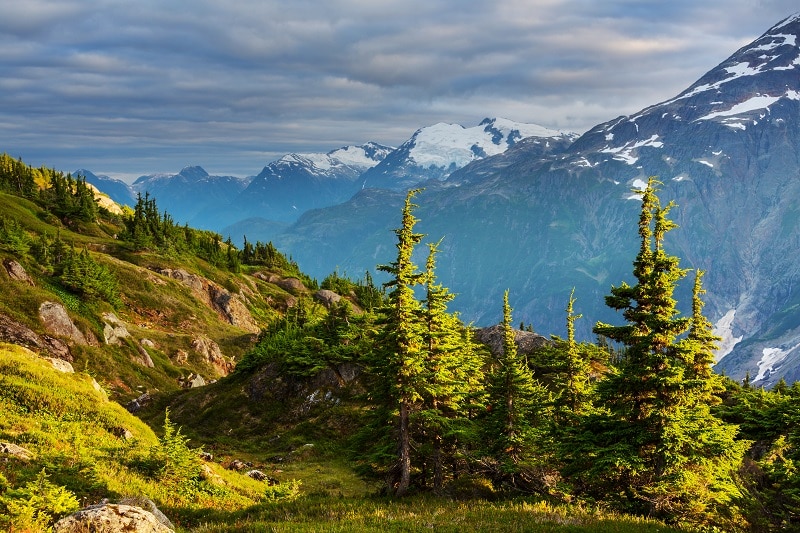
x=57, y=322
x=111, y=517
x=213, y=355
x=527, y=342
x=292, y=285
x=61, y=365
x=327, y=297
x=9, y=448
x=16, y=333
x=114, y=329
x=17, y=272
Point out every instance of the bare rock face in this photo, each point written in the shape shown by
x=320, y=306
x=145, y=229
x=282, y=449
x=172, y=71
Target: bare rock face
x=21, y=335
x=193, y=381
x=114, y=329
x=148, y=505
x=268, y=277
x=233, y=309
x=181, y=357
x=111, y=517
x=211, y=353
x=144, y=358
x=57, y=322
x=527, y=341
x=17, y=272
x=139, y=403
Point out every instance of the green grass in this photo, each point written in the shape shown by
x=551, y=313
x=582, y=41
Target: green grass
x=318, y=514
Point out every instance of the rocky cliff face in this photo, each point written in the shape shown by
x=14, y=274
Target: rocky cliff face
x=727, y=150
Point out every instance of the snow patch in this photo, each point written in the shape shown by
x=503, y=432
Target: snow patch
x=351, y=156
x=625, y=152
x=754, y=103
x=724, y=329
x=771, y=360
x=706, y=163
x=639, y=185
x=354, y=156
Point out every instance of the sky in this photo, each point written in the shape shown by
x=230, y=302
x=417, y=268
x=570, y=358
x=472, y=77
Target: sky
x=127, y=88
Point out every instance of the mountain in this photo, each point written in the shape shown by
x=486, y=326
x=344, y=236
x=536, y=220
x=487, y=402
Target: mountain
x=117, y=190
x=727, y=150
x=192, y=195
x=436, y=151
x=295, y=183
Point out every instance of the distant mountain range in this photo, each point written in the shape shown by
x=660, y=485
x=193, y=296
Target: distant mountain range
x=540, y=212
x=261, y=206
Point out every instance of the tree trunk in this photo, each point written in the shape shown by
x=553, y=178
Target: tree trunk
x=404, y=452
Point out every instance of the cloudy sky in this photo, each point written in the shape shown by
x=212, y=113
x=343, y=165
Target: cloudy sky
x=127, y=88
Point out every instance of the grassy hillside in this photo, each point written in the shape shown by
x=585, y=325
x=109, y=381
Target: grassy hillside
x=165, y=311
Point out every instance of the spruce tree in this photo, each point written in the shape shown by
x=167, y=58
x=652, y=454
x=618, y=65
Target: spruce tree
x=518, y=407
x=658, y=447
x=398, y=363
x=452, y=374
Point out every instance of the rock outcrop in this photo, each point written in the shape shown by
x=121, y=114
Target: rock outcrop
x=143, y=357
x=193, y=381
x=14, y=332
x=292, y=285
x=136, y=404
x=57, y=322
x=17, y=272
x=111, y=517
x=9, y=448
x=527, y=341
x=61, y=365
x=327, y=297
x=210, y=351
x=229, y=306
x=114, y=329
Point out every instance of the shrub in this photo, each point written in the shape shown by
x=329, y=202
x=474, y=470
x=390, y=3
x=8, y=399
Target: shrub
x=34, y=506
x=175, y=462
x=284, y=492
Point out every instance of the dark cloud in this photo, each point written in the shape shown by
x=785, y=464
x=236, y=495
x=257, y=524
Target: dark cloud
x=127, y=88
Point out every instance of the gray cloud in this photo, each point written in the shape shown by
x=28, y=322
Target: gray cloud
x=127, y=88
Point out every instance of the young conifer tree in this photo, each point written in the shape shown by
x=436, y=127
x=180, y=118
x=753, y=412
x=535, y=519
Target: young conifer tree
x=660, y=447
x=517, y=404
x=398, y=362
x=452, y=374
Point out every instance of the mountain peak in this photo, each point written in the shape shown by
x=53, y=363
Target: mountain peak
x=193, y=173
x=754, y=77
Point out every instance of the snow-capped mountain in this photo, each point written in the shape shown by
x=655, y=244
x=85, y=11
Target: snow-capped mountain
x=434, y=152
x=727, y=150
x=295, y=183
